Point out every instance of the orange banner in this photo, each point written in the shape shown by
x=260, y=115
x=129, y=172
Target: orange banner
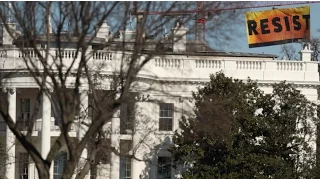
x=278, y=26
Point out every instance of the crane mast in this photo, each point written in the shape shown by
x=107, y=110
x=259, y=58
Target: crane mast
x=203, y=11
x=200, y=22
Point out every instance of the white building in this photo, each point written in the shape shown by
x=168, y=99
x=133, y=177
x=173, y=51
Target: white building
x=180, y=70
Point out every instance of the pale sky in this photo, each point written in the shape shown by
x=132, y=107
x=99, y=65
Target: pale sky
x=242, y=41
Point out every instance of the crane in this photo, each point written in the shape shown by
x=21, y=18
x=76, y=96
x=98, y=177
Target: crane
x=203, y=12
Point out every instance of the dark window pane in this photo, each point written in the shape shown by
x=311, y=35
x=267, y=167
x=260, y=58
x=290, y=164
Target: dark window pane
x=161, y=114
x=59, y=164
x=165, y=124
x=125, y=167
x=24, y=165
x=164, y=168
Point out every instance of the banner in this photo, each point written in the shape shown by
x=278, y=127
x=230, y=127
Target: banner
x=278, y=26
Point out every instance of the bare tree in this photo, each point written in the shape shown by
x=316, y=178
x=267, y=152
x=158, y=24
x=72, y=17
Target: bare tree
x=315, y=47
x=3, y=156
x=7, y=158
x=289, y=52
x=46, y=33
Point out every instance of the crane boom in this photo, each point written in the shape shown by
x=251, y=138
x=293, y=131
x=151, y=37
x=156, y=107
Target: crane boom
x=201, y=10
x=261, y=4
x=232, y=6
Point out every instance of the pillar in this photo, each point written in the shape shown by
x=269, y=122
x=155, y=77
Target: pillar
x=84, y=104
x=45, y=127
x=115, y=142
x=306, y=52
x=136, y=164
x=10, y=137
x=144, y=128
x=141, y=129
x=136, y=137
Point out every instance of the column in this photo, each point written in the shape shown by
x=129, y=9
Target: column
x=45, y=127
x=136, y=164
x=136, y=137
x=10, y=137
x=135, y=167
x=115, y=142
x=84, y=104
x=33, y=174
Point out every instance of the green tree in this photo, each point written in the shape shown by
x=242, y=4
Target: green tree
x=240, y=132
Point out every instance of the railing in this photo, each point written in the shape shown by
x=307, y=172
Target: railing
x=102, y=55
x=67, y=54
x=249, y=65
x=178, y=66
x=167, y=63
x=208, y=64
x=23, y=126
x=290, y=66
x=27, y=53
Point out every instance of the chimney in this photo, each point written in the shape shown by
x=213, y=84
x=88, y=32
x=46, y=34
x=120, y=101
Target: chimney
x=179, y=33
x=140, y=16
x=103, y=31
x=306, y=52
x=128, y=34
x=7, y=39
x=50, y=25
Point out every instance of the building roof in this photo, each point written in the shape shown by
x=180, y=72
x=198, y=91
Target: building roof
x=155, y=46
x=192, y=49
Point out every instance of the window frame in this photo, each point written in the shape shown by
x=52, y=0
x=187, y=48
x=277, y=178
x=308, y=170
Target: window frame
x=56, y=113
x=166, y=122
x=127, y=117
x=163, y=166
x=25, y=105
x=127, y=162
x=56, y=168
x=24, y=165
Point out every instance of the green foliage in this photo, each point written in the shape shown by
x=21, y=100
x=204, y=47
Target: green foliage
x=240, y=132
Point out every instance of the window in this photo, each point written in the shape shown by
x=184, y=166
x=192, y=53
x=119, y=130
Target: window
x=23, y=119
x=25, y=109
x=93, y=171
x=164, y=168
x=59, y=164
x=23, y=165
x=91, y=108
x=125, y=167
x=166, y=117
x=126, y=117
x=56, y=112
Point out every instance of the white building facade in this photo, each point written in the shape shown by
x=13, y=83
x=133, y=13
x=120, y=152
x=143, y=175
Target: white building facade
x=163, y=85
